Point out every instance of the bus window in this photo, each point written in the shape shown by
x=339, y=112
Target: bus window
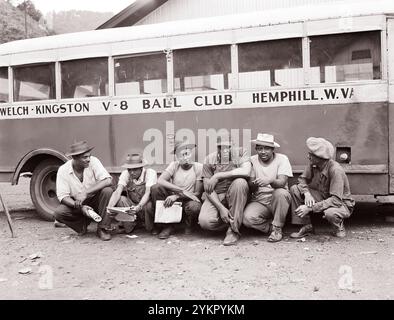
x=85, y=78
x=270, y=63
x=3, y=85
x=200, y=69
x=35, y=82
x=346, y=57
x=146, y=74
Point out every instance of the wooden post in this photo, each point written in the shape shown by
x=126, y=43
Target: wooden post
x=8, y=216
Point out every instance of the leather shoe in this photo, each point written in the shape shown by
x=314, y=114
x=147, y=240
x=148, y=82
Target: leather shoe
x=155, y=231
x=276, y=235
x=165, y=233
x=231, y=238
x=84, y=230
x=303, y=232
x=103, y=235
x=340, y=231
x=58, y=224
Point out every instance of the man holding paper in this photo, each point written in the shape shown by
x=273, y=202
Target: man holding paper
x=135, y=182
x=181, y=182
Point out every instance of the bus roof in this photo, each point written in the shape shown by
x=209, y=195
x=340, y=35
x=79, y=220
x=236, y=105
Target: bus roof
x=183, y=27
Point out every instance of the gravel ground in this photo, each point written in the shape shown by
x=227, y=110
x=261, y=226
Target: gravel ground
x=60, y=265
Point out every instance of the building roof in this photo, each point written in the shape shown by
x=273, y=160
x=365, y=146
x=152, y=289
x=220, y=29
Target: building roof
x=132, y=14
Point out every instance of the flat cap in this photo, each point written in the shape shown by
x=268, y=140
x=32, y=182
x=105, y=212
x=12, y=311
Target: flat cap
x=321, y=148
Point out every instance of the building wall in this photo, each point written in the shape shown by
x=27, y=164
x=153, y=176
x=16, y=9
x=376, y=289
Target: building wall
x=189, y=9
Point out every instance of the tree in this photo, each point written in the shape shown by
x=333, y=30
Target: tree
x=29, y=8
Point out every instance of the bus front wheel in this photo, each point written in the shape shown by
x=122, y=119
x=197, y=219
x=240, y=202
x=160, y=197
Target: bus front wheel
x=43, y=188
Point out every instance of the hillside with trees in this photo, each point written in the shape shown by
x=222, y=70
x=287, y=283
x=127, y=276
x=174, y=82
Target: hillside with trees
x=16, y=24
x=76, y=20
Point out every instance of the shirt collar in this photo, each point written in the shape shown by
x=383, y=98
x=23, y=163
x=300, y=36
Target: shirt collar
x=141, y=179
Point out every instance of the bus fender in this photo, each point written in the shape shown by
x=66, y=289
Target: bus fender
x=31, y=160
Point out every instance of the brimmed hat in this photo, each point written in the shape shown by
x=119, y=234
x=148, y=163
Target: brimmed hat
x=78, y=148
x=134, y=161
x=321, y=148
x=264, y=139
x=224, y=140
x=179, y=145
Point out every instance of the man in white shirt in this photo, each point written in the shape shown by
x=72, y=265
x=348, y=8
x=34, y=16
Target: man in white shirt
x=270, y=201
x=83, y=187
x=136, y=182
x=182, y=182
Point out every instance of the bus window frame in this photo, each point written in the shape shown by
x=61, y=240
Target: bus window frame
x=169, y=65
x=383, y=58
x=11, y=77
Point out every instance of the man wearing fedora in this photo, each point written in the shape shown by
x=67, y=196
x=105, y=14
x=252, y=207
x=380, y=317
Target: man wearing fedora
x=83, y=186
x=182, y=182
x=136, y=183
x=225, y=175
x=322, y=188
x=270, y=200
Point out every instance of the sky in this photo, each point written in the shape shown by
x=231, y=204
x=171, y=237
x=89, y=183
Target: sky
x=114, y=6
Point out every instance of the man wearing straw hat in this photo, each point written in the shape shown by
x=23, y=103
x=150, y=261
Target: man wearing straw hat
x=270, y=200
x=322, y=188
x=225, y=174
x=136, y=182
x=182, y=182
x=83, y=187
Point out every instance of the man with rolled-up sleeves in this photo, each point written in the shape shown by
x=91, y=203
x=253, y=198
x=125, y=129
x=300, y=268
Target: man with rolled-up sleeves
x=83, y=187
x=225, y=175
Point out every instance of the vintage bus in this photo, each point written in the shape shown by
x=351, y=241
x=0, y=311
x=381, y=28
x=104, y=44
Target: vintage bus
x=325, y=71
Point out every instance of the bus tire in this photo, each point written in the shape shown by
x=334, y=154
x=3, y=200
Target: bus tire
x=43, y=188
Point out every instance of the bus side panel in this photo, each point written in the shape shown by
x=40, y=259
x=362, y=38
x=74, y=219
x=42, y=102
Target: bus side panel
x=390, y=46
x=18, y=137
x=362, y=127
x=391, y=144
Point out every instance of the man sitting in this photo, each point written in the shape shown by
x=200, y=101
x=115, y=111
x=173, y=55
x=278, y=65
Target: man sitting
x=83, y=187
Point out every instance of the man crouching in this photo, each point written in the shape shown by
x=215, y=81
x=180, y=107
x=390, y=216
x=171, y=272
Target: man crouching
x=323, y=187
x=83, y=187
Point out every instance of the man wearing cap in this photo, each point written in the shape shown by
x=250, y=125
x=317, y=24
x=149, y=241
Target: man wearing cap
x=270, y=200
x=225, y=175
x=322, y=188
x=182, y=182
x=83, y=187
x=136, y=182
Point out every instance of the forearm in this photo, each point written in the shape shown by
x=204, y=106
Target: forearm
x=99, y=186
x=278, y=183
x=331, y=202
x=144, y=199
x=214, y=198
x=234, y=174
x=168, y=185
x=115, y=198
x=69, y=202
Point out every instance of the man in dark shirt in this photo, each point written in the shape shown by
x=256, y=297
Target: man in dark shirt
x=226, y=190
x=322, y=188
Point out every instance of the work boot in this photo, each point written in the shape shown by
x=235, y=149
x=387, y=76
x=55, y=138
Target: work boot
x=84, y=229
x=276, y=234
x=303, y=232
x=155, y=231
x=58, y=224
x=103, y=234
x=188, y=230
x=129, y=227
x=166, y=232
x=231, y=238
x=339, y=230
